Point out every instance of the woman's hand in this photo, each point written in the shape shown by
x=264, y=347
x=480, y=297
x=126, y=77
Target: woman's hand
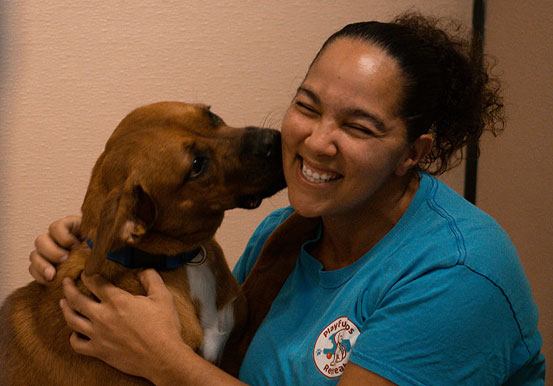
x=53, y=247
x=131, y=333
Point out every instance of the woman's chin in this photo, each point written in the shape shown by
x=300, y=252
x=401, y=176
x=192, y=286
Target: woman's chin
x=307, y=213
x=305, y=208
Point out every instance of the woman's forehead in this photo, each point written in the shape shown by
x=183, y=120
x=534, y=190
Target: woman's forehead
x=357, y=71
x=366, y=55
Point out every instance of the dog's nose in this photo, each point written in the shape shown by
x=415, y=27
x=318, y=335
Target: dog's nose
x=262, y=143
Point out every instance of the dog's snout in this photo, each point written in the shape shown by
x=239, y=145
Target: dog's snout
x=268, y=142
x=263, y=143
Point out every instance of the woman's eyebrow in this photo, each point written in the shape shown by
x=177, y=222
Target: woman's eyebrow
x=309, y=93
x=360, y=113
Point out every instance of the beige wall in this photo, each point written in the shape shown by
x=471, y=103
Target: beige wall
x=515, y=183
x=71, y=70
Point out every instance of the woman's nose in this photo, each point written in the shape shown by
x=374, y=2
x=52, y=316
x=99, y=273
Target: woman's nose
x=321, y=139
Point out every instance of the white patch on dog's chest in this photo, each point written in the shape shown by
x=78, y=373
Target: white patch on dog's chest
x=217, y=324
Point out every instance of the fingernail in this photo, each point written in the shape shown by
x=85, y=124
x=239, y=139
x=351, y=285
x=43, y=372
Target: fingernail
x=62, y=303
x=49, y=273
x=63, y=258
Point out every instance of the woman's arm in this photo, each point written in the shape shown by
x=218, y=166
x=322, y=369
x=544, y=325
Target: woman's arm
x=185, y=367
x=139, y=335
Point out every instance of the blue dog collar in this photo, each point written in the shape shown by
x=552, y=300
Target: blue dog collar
x=135, y=258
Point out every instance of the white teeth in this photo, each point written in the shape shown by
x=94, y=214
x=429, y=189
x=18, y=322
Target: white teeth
x=312, y=176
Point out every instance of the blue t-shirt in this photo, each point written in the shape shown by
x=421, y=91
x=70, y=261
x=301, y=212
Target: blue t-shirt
x=441, y=300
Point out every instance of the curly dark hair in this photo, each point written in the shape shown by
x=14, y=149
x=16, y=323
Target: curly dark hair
x=448, y=90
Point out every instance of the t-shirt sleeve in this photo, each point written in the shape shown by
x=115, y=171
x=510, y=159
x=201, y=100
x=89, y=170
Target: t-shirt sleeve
x=449, y=326
x=246, y=262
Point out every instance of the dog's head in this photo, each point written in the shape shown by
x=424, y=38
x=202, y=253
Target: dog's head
x=168, y=173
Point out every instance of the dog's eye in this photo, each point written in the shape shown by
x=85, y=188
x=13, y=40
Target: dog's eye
x=217, y=121
x=199, y=166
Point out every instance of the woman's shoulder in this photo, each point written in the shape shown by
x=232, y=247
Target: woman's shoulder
x=470, y=227
x=460, y=233
x=479, y=238
x=478, y=242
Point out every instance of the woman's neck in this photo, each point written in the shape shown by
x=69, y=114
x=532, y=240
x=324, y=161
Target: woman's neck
x=346, y=239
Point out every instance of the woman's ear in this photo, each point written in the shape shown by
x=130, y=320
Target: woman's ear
x=415, y=152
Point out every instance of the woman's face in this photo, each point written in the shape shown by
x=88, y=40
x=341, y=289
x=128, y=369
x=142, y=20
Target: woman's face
x=342, y=140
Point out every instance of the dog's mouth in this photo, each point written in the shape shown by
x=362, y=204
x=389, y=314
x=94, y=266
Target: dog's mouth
x=250, y=201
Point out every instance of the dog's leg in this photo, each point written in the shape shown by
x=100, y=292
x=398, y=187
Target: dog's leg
x=217, y=324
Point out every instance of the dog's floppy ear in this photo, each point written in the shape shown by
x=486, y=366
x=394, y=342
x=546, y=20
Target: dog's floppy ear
x=126, y=214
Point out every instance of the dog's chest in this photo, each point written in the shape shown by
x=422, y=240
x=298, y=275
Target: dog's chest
x=216, y=323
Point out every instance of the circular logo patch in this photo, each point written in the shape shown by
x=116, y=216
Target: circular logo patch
x=333, y=346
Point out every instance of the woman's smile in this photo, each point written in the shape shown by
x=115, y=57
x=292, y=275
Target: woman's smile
x=317, y=174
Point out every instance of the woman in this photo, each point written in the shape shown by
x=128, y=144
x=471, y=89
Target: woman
x=403, y=280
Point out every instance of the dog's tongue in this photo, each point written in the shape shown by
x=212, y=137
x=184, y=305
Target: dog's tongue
x=250, y=202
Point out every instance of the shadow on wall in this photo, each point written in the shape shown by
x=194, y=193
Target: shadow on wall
x=5, y=45
x=3, y=77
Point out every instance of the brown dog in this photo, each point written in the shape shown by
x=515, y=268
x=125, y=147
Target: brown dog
x=155, y=199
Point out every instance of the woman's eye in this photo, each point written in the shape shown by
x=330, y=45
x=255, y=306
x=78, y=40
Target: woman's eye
x=361, y=129
x=199, y=166
x=306, y=108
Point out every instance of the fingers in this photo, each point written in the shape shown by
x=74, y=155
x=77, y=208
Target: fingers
x=75, y=321
x=52, y=248
x=65, y=231
x=153, y=283
x=47, y=248
x=84, y=316
x=81, y=345
x=102, y=288
x=40, y=269
x=46, y=253
x=77, y=301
